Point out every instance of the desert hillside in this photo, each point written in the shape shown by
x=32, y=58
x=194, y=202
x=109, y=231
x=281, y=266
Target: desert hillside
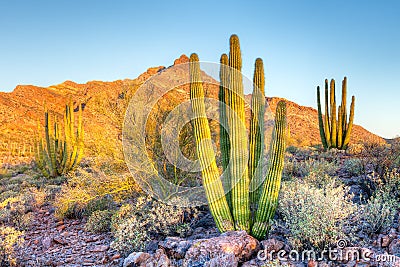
x=21, y=110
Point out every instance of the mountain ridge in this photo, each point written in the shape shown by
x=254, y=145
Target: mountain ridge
x=21, y=109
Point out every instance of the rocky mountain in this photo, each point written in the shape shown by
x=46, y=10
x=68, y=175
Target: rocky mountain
x=104, y=104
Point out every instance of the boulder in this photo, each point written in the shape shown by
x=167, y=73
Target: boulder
x=228, y=249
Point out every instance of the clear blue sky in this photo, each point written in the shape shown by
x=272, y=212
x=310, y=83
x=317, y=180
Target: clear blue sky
x=301, y=42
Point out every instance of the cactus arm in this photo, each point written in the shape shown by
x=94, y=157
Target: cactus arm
x=350, y=125
x=269, y=196
x=238, y=138
x=333, y=115
x=50, y=146
x=339, y=130
x=224, y=136
x=320, y=120
x=212, y=184
x=344, y=107
x=62, y=152
x=256, y=135
x=327, y=119
x=79, y=139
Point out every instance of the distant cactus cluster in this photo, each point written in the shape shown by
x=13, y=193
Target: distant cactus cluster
x=250, y=201
x=335, y=127
x=59, y=152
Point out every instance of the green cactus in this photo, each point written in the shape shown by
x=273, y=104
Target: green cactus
x=224, y=135
x=237, y=132
x=57, y=154
x=335, y=128
x=256, y=135
x=269, y=197
x=252, y=201
x=213, y=185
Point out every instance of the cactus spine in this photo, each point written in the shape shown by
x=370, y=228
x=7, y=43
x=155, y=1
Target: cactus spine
x=56, y=154
x=335, y=128
x=243, y=170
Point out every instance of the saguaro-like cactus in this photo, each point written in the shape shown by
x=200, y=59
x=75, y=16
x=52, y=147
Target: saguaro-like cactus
x=335, y=128
x=253, y=199
x=213, y=185
x=60, y=152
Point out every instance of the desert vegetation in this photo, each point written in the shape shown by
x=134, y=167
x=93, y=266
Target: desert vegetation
x=73, y=202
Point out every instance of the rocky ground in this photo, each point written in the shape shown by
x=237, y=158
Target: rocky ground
x=52, y=242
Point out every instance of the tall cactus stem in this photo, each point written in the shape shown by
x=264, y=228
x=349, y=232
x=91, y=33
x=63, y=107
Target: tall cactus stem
x=213, y=186
x=238, y=137
x=256, y=135
x=269, y=197
x=224, y=132
x=320, y=120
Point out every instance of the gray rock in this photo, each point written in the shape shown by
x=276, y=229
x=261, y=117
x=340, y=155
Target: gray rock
x=227, y=249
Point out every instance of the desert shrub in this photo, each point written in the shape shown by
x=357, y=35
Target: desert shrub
x=89, y=190
x=353, y=167
x=16, y=210
x=380, y=158
x=35, y=197
x=51, y=191
x=379, y=211
x=296, y=168
x=390, y=183
x=99, y=221
x=314, y=216
x=300, y=152
x=136, y=224
x=320, y=180
x=7, y=194
x=9, y=238
x=5, y=173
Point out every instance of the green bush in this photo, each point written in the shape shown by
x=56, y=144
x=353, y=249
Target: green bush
x=136, y=224
x=16, y=211
x=353, y=167
x=314, y=216
x=296, y=168
x=9, y=239
x=99, y=221
x=380, y=158
x=379, y=211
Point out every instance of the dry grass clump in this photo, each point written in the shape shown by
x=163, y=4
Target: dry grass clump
x=88, y=190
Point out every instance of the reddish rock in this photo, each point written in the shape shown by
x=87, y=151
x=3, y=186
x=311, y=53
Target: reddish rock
x=100, y=248
x=181, y=60
x=59, y=241
x=385, y=241
x=136, y=259
x=272, y=245
x=61, y=228
x=115, y=257
x=232, y=247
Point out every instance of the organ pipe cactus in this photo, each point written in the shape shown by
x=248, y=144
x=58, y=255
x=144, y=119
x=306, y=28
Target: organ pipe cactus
x=250, y=201
x=60, y=152
x=335, y=127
